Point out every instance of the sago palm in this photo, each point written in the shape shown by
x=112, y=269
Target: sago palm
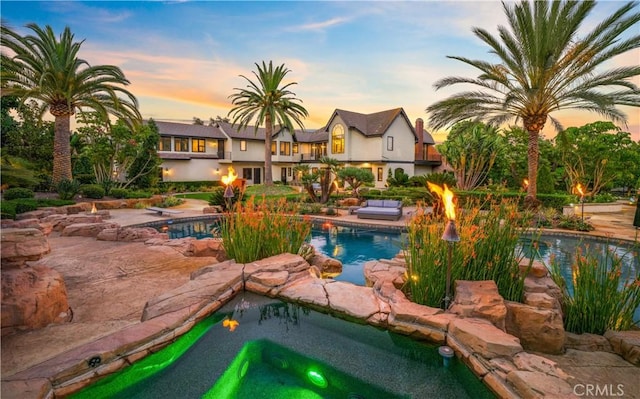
x=266, y=103
x=42, y=67
x=544, y=65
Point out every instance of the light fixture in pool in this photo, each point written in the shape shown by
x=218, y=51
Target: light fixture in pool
x=317, y=378
x=243, y=370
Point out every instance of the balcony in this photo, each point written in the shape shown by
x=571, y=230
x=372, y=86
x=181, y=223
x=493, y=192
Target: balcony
x=430, y=160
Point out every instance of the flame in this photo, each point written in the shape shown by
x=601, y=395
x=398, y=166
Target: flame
x=525, y=183
x=232, y=324
x=447, y=199
x=580, y=190
x=230, y=177
x=93, y=208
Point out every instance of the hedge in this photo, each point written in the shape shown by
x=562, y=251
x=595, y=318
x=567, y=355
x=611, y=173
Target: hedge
x=10, y=208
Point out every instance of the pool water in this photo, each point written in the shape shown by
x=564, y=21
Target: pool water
x=561, y=249
x=354, y=247
x=350, y=245
x=282, y=350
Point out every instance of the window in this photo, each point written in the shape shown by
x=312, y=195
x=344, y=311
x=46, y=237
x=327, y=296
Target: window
x=295, y=148
x=164, y=144
x=273, y=148
x=285, y=148
x=390, y=143
x=243, y=145
x=246, y=173
x=337, y=139
x=289, y=171
x=379, y=174
x=182, y=144
x=197, y=145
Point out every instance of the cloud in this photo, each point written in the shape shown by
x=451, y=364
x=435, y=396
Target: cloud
x=318, y=26
x=81, y=11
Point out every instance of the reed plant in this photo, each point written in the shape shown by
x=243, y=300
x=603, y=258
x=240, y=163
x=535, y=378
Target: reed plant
x=488, y=250
x=600, y=295
x=260, y=229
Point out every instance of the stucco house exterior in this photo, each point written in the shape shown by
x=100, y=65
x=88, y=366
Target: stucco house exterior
x=380, y=142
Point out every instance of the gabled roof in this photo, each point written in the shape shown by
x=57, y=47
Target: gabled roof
x=370, y=125
x=317, y=136
x=247, y=133
x=427, y=138
x=187, y=130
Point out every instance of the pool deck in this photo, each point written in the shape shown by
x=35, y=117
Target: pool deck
x=100, y=275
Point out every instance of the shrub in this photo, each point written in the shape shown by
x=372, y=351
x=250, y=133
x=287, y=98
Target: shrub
x=93, y=191
x=85, y=178
x=119, y=193
x=603, y=198
x=7, y=210
x=257, y=231
x=217, y=198
x=170, y=201
x=138, y=194
x=67, y=189
x=23, y=206
x=486, y=251
x=17, y=192
x=574, y=222
x=600, y=296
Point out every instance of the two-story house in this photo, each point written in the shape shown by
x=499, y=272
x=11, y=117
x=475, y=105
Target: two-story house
x=380, y=142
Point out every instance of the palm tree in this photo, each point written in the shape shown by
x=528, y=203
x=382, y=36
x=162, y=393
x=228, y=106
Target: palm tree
x=46, y=69
x=544, y=66
x=267, y=103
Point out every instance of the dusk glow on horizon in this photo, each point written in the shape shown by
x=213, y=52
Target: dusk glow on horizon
x=184, y=58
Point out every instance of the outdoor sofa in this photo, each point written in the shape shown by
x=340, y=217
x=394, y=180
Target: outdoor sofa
x=380, y=209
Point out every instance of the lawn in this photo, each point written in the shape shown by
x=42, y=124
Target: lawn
x=257, y=190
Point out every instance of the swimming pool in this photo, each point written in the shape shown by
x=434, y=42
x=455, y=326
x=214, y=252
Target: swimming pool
x=351, y=245
x=281, y=350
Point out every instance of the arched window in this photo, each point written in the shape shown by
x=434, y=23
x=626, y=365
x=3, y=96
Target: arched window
x=337, y=139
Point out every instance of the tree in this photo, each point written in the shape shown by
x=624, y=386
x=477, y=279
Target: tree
x=327, y=177
x=471, y=149
x=119, y=154
x=308, y=178
x=47, y=69
x=544, y=66
x=355, y=177
x=596, y=154
x=266, y=102
x=28, y=137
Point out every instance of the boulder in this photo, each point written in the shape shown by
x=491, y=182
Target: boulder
x=349, y=202
x=534, y=269
x=45, y=228
x=482, y=337
x=394, y=270
x=87, y=229
x=61, y=221
x=128, y=234
x=352, y=300
x=535, y=385
x=626, y=344
x=206, y=247
x=479, y=299
x=32, y=297
x=21, y=245
x=587, y=342
x=328, y=267
x=539, y=329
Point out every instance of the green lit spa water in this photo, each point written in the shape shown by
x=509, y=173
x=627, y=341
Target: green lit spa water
x=279, y=350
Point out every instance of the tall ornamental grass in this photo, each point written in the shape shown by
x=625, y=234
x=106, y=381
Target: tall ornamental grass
x=488, y=250
x=600, y=296
x=260, y=229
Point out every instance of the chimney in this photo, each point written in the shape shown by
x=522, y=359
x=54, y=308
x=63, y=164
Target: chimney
x=419, y=155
